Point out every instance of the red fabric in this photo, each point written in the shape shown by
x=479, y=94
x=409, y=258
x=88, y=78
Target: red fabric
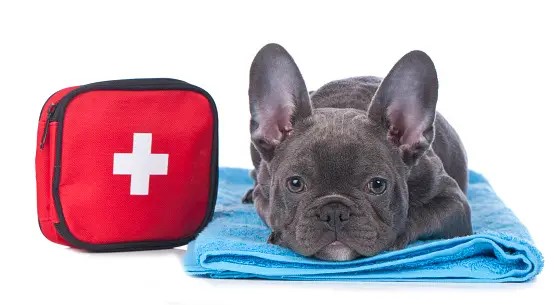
x=44, y=159
x=97, y=204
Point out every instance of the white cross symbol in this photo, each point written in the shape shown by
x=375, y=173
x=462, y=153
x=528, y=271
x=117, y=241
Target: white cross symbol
x=140, y=164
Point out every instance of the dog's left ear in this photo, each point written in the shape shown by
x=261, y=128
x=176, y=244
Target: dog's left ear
x=278, y=98
x=406, y=103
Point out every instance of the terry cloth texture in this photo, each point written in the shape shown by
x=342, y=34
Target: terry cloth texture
x=234, y=245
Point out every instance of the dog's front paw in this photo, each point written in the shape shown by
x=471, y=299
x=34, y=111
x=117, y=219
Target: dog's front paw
x=248, y=197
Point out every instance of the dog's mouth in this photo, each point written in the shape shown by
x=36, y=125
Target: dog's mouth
x=337, y=251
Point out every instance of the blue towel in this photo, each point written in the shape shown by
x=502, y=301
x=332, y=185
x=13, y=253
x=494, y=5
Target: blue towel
x=234, y=246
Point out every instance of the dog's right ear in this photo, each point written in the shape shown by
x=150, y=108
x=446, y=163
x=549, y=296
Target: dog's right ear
x=406, y=102
x=278, y=98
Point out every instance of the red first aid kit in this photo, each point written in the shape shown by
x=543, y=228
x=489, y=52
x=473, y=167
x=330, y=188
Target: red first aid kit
x=127, y=164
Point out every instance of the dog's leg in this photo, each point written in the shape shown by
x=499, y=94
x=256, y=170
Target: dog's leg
x=446, y=215
x=256, y=158
x=248, y=197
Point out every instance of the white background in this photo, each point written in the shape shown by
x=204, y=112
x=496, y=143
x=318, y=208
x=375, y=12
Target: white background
x=498, y=69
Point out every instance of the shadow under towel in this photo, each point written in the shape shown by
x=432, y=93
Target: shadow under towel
x=234, y=245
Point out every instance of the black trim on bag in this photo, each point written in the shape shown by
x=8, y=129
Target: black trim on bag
x=131, y=84
x=45, y=104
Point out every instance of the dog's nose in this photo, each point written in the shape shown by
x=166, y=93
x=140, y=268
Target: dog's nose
x=334, y=215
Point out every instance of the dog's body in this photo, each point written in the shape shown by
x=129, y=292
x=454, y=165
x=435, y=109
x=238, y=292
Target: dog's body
x=346, y=172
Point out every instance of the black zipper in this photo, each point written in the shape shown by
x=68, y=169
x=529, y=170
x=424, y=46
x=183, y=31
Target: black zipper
x=50, y=116
x=125, y=84
x=56, y=114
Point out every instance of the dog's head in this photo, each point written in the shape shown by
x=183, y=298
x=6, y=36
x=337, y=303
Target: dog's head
x=338, y=177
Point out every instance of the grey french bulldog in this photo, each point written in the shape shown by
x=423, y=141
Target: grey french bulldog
x=360, y=166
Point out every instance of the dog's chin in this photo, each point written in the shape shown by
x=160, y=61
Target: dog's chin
x=337, y=251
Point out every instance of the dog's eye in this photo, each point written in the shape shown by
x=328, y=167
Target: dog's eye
x=295, y=184
x=377, y=186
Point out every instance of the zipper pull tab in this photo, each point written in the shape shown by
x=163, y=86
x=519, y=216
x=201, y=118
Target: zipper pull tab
x=50, y=116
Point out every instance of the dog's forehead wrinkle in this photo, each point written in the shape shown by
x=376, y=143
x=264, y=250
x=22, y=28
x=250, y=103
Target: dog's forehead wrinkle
x=340, y=123
x=335, y=162
x=336, y=144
